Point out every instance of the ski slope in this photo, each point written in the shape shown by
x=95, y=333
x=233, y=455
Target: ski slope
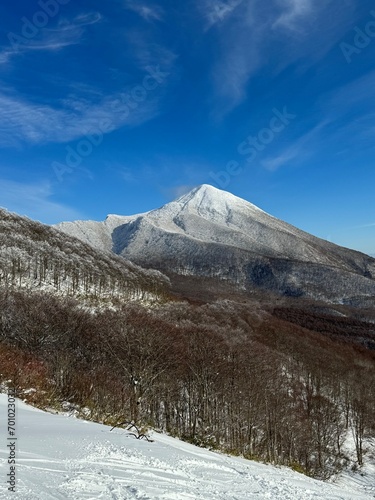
x=60, y=457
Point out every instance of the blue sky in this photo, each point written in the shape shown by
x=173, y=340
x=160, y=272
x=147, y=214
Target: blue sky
x=121, y=106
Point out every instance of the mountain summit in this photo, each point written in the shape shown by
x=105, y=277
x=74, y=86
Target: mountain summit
x=210, y=203
x=212, y=233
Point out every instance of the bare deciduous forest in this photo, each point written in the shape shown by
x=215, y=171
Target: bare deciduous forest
x=278, y=384
x=271, y=391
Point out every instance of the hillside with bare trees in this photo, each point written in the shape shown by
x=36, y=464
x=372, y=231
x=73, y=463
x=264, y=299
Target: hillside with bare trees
x=35, y=256
x=275, y=380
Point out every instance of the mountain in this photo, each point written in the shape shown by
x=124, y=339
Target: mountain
x=213, y=234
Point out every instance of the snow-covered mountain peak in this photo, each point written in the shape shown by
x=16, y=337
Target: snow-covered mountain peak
x=206, y=198
x=208, y=204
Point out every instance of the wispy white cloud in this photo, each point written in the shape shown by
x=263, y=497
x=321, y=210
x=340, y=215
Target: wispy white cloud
x=145, y=51
x=36, y=201
x=127, y=174
x=333, y=108
x=179, y=190
x=71, y=118
x=343, y=99
x=147, y=12
x=351, y=108
x=86, y=108
x=247, y=30
x=240, y=56
x=284, y=157
x=303, y=147
x=293, y=11
x=65, y=34
x=367, y=225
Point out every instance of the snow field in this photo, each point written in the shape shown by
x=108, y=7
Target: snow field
x=60, y=457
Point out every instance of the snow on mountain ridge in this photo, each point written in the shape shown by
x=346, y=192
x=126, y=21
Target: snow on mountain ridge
x=223, y=211
x=204, y=202
x=209, y=203
x=209, y=215
x=208, y=198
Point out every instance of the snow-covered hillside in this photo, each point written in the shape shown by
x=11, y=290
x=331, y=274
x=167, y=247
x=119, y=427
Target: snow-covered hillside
x=34, y=257
x=60, y=457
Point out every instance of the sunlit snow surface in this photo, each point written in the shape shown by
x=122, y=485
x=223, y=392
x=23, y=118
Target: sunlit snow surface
x=60, y=457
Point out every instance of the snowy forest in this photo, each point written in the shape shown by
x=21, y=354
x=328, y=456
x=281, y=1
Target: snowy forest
x=35, y=256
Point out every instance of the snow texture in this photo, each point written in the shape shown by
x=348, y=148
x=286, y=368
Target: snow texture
x=60, y=457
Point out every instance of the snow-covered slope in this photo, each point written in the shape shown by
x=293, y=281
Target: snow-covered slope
x=209, y=232
x=213, y=216
x=97, y=234
x=34, y=256
x=208, y=215
x=59, y=457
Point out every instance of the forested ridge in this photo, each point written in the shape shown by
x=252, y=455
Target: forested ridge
x=33, y=255
x=230, y=374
